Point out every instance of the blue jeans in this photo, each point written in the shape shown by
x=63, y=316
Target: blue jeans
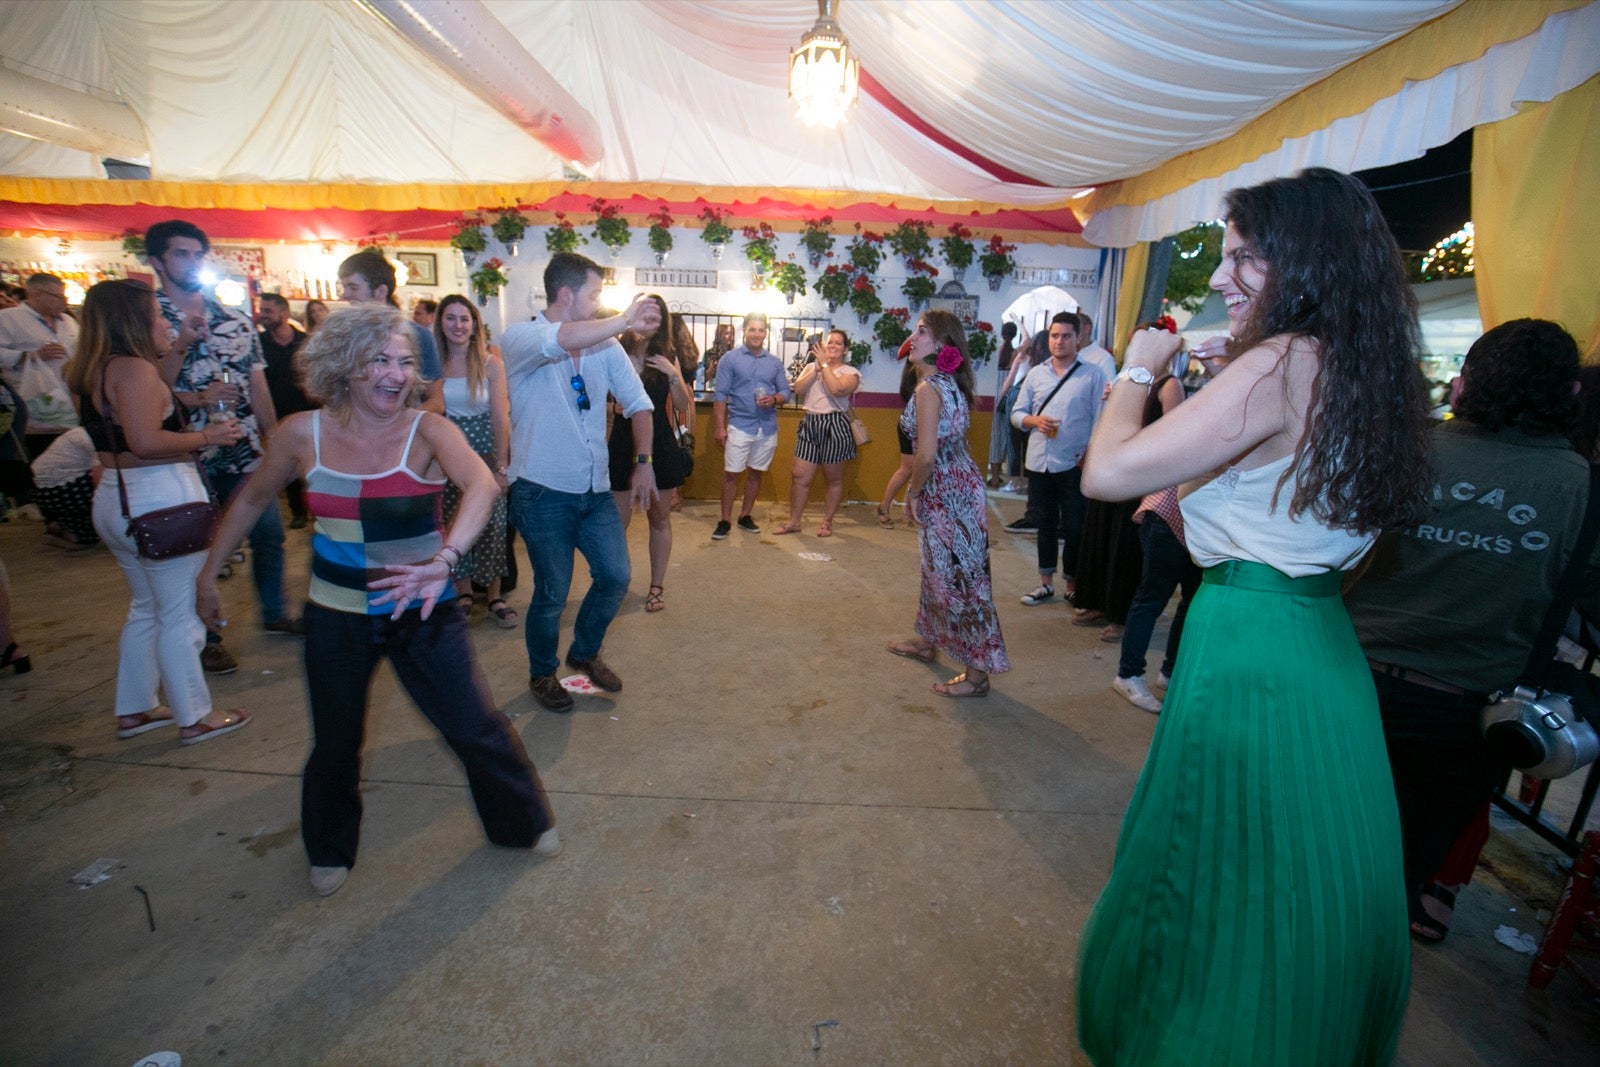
x=1167, y=566
x=554, y=524
x=266, y=548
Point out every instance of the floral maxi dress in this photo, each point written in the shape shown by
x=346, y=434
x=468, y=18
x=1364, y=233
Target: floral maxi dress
x=957, y=613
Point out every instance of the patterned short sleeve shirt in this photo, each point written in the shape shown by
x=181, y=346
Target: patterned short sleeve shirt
x=231, y=342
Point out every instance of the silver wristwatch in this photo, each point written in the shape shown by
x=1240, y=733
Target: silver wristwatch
x=1136, y=375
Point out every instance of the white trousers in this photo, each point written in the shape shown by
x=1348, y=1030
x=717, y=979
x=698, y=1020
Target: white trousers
x=161, y=641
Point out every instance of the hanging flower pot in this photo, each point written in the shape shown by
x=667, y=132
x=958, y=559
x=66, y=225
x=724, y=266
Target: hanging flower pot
x=616, y=251
x=918, y=305
x=659, y=235
x=715, y=232
x=487, y=281
x=994, y=281
x=788, y=298
x=508, y=227
x=817, y=239
x=958, y=249
x=862, y=319
x=833, y=305
x=469, y=257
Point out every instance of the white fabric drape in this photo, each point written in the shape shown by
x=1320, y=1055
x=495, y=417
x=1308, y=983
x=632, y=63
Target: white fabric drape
x=693, y=91
x=1562, y=54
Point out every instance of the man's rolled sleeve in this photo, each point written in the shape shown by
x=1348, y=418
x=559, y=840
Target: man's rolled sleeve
x=527, y=346
x=1023, y=406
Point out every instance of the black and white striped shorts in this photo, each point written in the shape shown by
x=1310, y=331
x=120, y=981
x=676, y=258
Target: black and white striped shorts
x=825, y=439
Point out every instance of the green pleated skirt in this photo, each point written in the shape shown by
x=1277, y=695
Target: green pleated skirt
x=1256, y=910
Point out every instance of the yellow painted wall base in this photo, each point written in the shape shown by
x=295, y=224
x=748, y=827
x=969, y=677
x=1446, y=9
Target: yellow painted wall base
x=864, y=477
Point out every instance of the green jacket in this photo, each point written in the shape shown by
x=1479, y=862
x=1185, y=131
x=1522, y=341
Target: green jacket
x=1462, y=595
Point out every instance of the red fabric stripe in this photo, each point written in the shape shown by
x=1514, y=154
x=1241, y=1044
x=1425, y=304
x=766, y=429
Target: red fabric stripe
x=333, y=506
x=875, y=89
x=329, y=224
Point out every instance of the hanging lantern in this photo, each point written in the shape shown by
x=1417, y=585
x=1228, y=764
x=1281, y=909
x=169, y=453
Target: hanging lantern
x=823, y=75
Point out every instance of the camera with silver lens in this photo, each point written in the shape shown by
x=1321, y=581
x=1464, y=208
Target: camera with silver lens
x=1537, y=732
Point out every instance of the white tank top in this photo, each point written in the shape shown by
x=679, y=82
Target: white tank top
x=1231, y=516
x=458, y=404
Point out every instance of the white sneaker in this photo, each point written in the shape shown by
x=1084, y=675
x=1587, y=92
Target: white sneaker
x=1038, y=596
x=327, y=880
x=1137, y=693
x=549, y=843
x=1162, y=681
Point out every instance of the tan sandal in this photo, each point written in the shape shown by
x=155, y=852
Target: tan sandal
x=652, y=600
x=884, y=520
x=786, y=528
x=825, y=529
x=237, y=719
x=974, y=689
x=912, y=651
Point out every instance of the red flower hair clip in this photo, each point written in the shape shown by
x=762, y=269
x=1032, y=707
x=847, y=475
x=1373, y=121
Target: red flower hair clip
x=1168, y=323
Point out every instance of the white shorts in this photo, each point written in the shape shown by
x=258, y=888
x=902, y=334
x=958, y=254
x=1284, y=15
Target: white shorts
x=748, y=451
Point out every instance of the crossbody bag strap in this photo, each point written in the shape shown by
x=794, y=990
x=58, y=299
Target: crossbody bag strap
x=1052, y=395
x=113, y=430
x=1555, y=620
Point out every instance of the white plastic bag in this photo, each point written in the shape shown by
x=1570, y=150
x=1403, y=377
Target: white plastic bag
x=49, y=404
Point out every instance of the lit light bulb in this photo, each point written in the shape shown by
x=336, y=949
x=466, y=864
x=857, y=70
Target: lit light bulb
x=230, y=293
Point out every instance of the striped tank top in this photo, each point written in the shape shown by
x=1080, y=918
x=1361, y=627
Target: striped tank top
x=365, y=522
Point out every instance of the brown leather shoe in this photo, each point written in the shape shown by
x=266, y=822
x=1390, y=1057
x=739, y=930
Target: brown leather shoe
x=548, y=689
x=598, y=672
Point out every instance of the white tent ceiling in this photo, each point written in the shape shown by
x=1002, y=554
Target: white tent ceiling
x=1069, y=94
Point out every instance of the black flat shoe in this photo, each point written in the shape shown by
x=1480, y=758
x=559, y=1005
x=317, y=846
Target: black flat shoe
x=20, y=664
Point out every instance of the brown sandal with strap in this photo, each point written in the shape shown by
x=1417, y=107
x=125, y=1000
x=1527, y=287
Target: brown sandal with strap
x=653, y=601
x=974, y=689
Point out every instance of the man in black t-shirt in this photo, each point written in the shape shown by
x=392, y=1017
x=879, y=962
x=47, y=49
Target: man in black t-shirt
x=280, y=340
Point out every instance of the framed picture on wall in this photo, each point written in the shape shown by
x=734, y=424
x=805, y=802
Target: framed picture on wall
x=422, y=268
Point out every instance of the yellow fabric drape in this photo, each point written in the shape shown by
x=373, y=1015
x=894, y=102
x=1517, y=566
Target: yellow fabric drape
x=1458, y=36
x=1535, y=191
x=1134, y=268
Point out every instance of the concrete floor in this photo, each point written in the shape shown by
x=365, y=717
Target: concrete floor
x=780, y=847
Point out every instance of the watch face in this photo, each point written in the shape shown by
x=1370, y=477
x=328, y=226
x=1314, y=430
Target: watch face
x=1140, y=376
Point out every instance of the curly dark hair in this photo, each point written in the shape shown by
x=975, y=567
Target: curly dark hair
x=1519, y=375
x=1334, y=275
x=1585, y=434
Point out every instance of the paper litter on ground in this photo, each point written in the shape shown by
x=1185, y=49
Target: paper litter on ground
x=579, y=683
x=817, y=557
x=1516, y=940
x=95, y=873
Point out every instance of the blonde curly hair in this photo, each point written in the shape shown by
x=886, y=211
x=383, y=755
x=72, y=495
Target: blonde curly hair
x=343, y=346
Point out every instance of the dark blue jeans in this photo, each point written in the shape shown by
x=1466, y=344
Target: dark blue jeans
x=1167, y=566
x=1060, y=503
x=554, y=525
x=433, y=659
x=266, y=548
